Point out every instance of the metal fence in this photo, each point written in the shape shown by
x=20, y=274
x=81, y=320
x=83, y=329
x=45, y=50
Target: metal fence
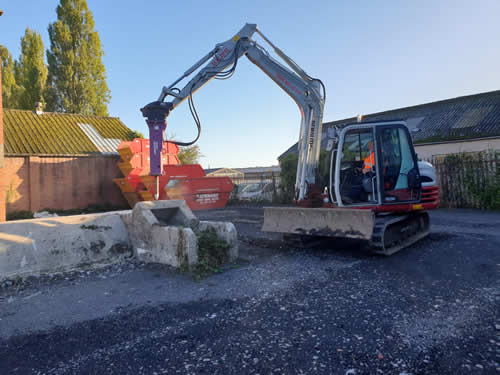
x=267, y=178
x=468, y=180
x=257, y=187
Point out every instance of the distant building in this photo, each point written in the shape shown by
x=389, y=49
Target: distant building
x=242, y=175
x=225, y=172
x=463, y=124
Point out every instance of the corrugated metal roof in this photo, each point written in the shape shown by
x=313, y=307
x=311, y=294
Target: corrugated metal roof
x=104, y=145
x=26, y=132
x=272, y=168
x=232, y=172
x=465, y=117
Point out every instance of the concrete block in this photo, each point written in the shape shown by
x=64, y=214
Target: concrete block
x=175, y=246
x=164, y=232
x=31, y=247
x=160, y=232
x=225, y=231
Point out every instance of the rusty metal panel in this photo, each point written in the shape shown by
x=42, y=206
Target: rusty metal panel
x=329, y=222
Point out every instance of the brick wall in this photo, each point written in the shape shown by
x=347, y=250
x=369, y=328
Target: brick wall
x=2, y=177
x=34, y=183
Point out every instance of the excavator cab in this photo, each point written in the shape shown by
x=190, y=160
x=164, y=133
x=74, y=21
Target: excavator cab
x=376, y=165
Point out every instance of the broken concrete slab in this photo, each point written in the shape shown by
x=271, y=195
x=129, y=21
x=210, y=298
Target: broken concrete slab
x=165, y=232
x=160, y=233
x=31, y=247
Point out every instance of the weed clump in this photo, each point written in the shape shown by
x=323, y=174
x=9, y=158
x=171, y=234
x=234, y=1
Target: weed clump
x=212, y=253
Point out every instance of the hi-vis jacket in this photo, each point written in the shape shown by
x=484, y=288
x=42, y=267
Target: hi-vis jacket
x=369, y=162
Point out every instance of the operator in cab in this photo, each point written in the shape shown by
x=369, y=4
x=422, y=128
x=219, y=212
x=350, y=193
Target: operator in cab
x=369, y=160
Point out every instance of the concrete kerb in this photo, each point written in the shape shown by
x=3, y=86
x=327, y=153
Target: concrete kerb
x=157, y=232
x=33, y=247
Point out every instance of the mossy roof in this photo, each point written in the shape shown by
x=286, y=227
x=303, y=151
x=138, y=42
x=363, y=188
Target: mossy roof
x=26, y=132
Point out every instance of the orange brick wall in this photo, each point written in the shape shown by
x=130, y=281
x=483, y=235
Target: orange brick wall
x=16, y=182
x=34, y=183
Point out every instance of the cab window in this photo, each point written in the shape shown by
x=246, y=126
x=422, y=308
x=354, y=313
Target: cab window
x=401, y=180
x=357, y=168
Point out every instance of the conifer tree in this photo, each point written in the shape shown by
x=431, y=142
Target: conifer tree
x=77, y=77
x=31, y=71
x=10, y=89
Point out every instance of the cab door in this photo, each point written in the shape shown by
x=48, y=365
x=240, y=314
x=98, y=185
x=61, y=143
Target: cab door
x=356, y=174
x=376, y=165
x=398, y=165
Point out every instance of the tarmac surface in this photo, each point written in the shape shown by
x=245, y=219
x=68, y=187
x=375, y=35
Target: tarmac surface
x=433, y=308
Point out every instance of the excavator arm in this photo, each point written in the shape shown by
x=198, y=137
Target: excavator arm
x=221, y=63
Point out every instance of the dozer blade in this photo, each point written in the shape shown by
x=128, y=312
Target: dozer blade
x=327, y=222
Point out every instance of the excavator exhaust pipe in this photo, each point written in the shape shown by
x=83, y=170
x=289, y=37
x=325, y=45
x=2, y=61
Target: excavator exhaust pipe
x=325, y=222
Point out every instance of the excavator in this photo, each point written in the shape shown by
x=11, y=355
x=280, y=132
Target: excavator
x=374, y=191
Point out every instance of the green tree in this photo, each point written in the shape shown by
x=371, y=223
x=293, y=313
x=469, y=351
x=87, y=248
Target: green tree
x=135, y=134
x=288, y=174
x=10, y=90
x=77, y=77
x=31, y=71
x=190, y=155
x=187, y=154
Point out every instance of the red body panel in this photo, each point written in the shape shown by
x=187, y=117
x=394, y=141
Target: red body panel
x=429, y=201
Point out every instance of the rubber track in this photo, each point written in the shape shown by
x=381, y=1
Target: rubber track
x=404, y=230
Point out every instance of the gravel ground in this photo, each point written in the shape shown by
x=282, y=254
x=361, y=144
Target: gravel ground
x=333, y=309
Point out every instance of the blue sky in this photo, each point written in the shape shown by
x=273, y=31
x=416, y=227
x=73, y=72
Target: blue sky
x=371, y=55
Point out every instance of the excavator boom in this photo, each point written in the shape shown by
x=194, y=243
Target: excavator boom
x=220, y=63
